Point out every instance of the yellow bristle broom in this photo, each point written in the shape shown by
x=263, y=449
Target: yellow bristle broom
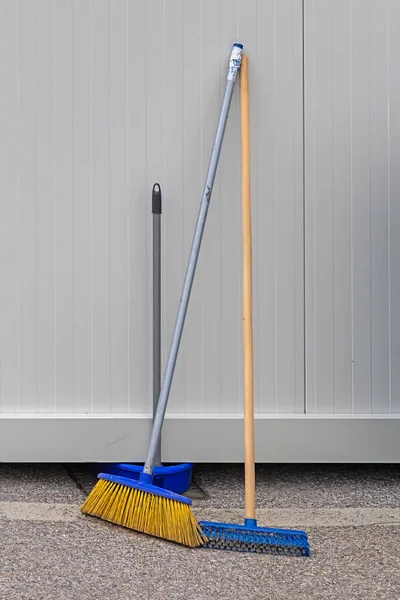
x=140, y=505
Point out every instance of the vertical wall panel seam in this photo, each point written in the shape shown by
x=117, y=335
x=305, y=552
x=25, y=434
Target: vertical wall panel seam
x=274, y=217
x=304, y=207
x=18, y=209
x=371, y=357
x=182, y=203
x=221, y=309
x=73, y=206
x=256, y=247
x=389, y=207
x=314, y=231
x=91, y=206
x=351, y=208
x=35, y=70
x=333, y=216
x=201, y=256
x=145, y=150
x=128, y=217
x=54, y=211
x=110, y=294
x=128, y=220
x=165, y=119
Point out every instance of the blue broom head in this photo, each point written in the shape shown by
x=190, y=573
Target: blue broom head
x=250, y=538
x=145, y=484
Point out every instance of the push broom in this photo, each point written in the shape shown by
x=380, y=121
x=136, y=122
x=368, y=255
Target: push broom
x=249, y=537
x=140, y=505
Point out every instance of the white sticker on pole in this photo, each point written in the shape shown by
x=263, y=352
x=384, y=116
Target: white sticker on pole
x=234, y=62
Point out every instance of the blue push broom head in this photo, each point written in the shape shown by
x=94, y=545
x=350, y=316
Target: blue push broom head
x=250, y=538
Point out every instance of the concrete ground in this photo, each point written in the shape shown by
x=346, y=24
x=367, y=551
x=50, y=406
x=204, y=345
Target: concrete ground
x=48, y=551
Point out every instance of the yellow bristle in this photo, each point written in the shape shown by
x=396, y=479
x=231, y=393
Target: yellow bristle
x=144, y=512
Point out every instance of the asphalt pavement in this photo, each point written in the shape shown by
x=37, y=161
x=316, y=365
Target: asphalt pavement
x=49, y=551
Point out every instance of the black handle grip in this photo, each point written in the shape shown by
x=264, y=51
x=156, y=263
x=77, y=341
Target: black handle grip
x=156, y=200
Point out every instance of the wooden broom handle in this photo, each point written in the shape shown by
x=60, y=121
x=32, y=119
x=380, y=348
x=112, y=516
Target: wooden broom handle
x=249, y=468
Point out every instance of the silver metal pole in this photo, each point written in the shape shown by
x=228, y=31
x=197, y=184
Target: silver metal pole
x=156, y=210
x=234, y=65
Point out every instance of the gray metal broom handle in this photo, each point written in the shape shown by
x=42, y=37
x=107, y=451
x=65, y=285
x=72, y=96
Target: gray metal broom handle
x=234, y=65
x=156, y=209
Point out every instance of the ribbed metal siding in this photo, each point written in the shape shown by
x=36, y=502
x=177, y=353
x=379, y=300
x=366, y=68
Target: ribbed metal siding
x=100, y=100
x=352, y=184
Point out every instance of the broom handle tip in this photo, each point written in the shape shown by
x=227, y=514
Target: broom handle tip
x=235, y=61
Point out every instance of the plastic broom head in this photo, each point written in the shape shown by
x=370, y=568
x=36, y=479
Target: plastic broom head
x=144, y=507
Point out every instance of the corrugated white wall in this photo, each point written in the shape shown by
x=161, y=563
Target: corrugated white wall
x=99, y=100
x=352, y=187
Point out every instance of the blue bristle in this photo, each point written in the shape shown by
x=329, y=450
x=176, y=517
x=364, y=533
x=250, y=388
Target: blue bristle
x=250, y=538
